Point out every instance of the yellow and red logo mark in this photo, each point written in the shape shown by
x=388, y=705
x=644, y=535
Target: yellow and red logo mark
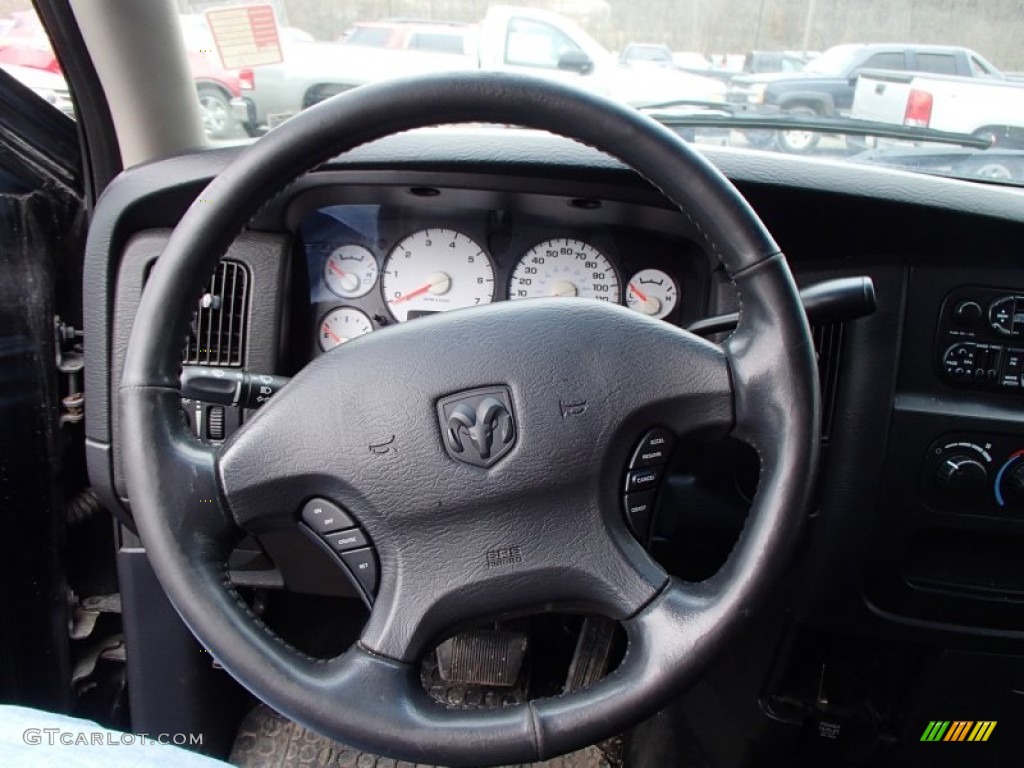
x=958, y=730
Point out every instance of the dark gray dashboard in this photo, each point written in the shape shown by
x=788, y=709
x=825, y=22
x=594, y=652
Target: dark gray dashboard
x=920, y=238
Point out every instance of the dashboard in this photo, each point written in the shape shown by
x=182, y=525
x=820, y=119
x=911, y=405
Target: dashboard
x=373, y=265
x=910, y=567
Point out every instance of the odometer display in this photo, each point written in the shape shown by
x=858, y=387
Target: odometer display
x=564, y=268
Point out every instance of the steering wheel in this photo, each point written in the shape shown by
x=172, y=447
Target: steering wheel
x=549, y=506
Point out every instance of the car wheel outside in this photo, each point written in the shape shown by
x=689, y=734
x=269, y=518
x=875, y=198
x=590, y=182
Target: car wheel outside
x=759, y=139
x=798, y=142
x=218, y=122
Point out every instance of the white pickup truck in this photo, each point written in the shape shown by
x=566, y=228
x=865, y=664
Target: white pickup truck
x=990, y=107
x=509, y=39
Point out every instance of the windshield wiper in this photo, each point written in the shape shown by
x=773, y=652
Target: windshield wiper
x=707, y=114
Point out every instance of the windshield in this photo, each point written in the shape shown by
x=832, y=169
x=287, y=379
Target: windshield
x=860, y=98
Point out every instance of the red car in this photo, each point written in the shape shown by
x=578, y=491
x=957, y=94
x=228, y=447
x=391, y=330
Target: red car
x=27, y=45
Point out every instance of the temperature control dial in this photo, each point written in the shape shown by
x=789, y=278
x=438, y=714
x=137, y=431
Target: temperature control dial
x=962, y=476
x=958, y=474
x=1009, y=484
x=1013, y=484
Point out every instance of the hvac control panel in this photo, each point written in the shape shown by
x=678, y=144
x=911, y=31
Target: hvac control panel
x=980, y=339
x=976, y=474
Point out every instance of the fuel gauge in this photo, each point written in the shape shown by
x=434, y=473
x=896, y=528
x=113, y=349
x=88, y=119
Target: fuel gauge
x=341, y=325
x=652, y=292
x=351, y=271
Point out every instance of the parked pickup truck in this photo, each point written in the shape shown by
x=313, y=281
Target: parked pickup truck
x=989, y=108
x=509, y=39
x=825, y=86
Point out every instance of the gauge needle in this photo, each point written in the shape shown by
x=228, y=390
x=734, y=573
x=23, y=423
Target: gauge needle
x=334, y=337
x=639, y=294
x=348, y=281
x=649, y=305
x=437, y=283
x=411, y=294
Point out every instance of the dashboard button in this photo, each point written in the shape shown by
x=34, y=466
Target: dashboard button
x=363, y=565
x=1013, y=362
x=643, y=479
x=639, y=511
x=967, y=313
x=993, y=364
x=960, y=360
x=653, y=449
x=343, y=541
x=325, y=517
x=1001, y=315
x=215, y=422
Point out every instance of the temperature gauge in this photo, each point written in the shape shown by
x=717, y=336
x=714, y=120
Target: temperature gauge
x=652, y=292
x=351, y=271
x=341, y=325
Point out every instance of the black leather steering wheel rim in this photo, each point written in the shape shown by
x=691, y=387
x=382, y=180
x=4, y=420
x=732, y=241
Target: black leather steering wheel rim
x=190, y=501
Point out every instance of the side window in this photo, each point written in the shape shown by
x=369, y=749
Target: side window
x=885, y=61
x=376, y=37
x=533, y=43
x=939, y=63
x=436, y=41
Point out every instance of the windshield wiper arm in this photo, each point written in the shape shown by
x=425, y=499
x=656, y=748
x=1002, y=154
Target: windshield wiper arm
x=729, y=117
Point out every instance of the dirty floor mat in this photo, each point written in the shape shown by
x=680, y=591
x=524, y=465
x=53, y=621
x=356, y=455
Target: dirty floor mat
x=267, y=740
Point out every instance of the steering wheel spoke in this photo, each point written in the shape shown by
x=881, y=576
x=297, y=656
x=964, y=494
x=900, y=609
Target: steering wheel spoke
x=186, y=478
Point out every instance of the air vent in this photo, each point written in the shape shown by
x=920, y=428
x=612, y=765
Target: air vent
x=828, y=341
x=217, y=334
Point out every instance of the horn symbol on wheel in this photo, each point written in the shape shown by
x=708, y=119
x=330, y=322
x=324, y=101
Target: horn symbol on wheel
x=478, y=427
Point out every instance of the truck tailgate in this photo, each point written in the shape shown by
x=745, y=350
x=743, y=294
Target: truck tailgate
x=881, y=96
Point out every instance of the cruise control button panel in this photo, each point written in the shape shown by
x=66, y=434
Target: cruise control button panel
x=363, y=565
x=324, y=517
x=639, y=512
x=643, y=478
x=346, y=540
x=342, y=534
x=653, y=450
x=980, y=339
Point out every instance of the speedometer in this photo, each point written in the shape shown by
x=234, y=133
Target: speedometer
x=435, y=270
x=564, y=267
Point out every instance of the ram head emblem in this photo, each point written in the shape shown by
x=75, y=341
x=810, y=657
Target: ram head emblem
x=479, y=427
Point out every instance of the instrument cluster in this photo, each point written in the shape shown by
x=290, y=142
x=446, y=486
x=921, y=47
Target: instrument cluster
x=374, y=265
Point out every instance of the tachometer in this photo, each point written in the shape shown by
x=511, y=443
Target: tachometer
x=341, y=325
x=564, y=267
x=350, y=271
x=435, y=270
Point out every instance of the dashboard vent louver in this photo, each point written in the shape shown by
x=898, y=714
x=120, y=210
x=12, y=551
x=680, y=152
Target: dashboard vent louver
x=828, y=341
x=217, y=333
